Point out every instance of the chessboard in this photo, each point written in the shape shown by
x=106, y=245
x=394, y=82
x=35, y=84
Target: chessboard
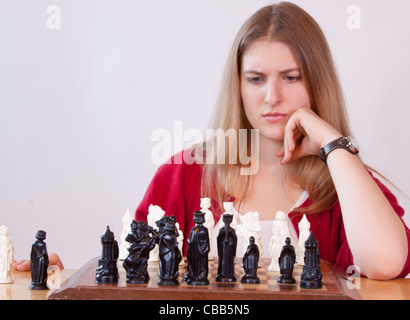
x=82, y=285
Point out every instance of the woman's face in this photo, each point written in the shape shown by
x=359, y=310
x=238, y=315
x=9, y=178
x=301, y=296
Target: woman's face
x=272, y=87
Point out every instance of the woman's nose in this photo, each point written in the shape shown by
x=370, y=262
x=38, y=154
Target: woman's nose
x=273, y=93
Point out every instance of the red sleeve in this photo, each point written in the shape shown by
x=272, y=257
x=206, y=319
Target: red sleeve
x=345, y=257
x=175, y=187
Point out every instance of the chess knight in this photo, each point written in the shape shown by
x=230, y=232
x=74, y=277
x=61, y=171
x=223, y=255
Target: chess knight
x=142, y=239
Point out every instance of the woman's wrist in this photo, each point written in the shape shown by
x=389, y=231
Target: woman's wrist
x=330, y=138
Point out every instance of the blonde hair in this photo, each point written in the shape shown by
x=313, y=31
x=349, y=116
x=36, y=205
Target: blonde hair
x=287, y=23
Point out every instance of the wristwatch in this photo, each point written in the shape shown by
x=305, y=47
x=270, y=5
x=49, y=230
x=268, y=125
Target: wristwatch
x=347, y=143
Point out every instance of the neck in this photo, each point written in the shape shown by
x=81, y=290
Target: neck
x=268, y=161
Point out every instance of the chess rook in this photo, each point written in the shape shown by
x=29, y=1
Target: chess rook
x=311, y=277
x=107, y=271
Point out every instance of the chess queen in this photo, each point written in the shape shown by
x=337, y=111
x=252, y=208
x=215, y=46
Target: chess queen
x=280, y=79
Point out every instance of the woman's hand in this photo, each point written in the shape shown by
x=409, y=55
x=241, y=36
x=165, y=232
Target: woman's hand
x=24, y=265
x=305, y=134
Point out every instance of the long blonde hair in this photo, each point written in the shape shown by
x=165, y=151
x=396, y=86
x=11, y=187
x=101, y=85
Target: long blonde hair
x=287, y=23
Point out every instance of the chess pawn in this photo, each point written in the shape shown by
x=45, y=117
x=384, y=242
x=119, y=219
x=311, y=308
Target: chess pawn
x=311, y=277
x=107, y=271
x=287, y=259
x=226, y=242
x=39, y=262
x=250, y=263
x=304, y=227
x=155, y=213
x=6, y=255
x=209, y=221
x=198, y=249
x=126, y=228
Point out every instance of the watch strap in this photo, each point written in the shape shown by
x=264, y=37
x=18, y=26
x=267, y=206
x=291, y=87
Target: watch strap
x=343, y=142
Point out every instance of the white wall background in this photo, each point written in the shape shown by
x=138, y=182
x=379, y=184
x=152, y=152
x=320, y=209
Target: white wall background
x=78, y=104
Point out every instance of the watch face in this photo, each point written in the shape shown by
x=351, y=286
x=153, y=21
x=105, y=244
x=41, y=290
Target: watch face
x=354, y=143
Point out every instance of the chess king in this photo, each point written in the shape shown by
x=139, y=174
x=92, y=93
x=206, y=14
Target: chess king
x=227, y=242
x=197, y=255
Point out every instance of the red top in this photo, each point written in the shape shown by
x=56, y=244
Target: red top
x=176, y=188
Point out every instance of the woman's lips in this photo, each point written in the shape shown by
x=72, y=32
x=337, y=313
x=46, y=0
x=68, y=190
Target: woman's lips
x=274, y=117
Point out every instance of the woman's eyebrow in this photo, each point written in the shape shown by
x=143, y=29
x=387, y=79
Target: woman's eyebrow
x=253, y=72
x=290, y=70
x=256, y=72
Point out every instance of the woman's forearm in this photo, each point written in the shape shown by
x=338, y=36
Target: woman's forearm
x=375, y=233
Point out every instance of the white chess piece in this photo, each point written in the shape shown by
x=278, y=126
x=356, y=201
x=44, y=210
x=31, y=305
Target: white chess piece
x=209, y=221
x=250, y=227
x=304, y=231
x=283, y=226
x=228, y=207
x=155, y=213
x=180, y=240
x=280, y=231
x=126, y=228
x=275, y=247
x=6, y=255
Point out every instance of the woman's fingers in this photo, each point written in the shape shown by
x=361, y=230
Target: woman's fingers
x=304, y=134
x=55, y=261
x=24, y=265
x=293, y=135
x=21, y=265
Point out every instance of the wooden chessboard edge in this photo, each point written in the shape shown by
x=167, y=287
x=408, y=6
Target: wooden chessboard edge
x=71, y=289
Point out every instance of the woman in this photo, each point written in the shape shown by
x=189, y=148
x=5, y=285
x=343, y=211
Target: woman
x=280, y=79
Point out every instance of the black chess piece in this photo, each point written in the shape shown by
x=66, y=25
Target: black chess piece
x=250, y=263
x=287, y=260
x=169, y=256
x=311, y=277
x=107, y=271
x=161, y=224
x=226, y=242
x=197, y=255
x=39, y=262
x=142, y=239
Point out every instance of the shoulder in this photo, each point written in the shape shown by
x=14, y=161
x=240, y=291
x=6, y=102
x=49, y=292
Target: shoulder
x=175, y=188
x=177, y=171
x=181, y=162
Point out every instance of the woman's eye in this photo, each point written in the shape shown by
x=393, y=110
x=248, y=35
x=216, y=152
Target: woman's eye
x=255, y=80
x=292, y=78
